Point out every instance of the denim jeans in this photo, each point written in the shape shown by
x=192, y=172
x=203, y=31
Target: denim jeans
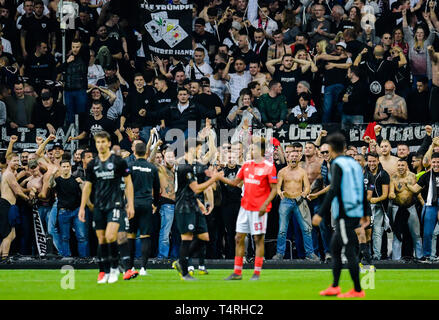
x=76, y=102
x=430, y=221
x=67, y=218
x=324, y=227
x=347, y=120
x=145, y=133
x=48, y=216
x=434, y=240
x=286, y=207
x=167, y=217
x=330, y=98
x=378, y=229
x=415, y=231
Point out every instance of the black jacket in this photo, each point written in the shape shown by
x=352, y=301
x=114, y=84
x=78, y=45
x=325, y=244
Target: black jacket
x=55, y=115
x=176, y=119
x=76, y=72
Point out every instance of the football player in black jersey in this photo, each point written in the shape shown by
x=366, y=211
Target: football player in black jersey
x=146, y=184
x=104, y=174
x=189, y=212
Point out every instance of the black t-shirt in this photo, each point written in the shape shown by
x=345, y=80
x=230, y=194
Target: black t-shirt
x=289, y=82
x=68, y=193
x=335, y=75
x=85, y=30
x=375, y=183
x=37, y=30
x=357, y=100
x=230, y=193
x=137, y=101
x=206, y=40
x=40, y=68
x=186, y=200
x=145, y=181
x=354, y=47
x=424, y=182
x=106, y=177
x=115, y=46
x=104, y=124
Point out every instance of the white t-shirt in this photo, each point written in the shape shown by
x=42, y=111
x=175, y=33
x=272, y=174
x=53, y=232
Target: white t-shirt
x=200, y=71
x=219, y=87
x=237, y=83
x=6, y=45
x=95, y=73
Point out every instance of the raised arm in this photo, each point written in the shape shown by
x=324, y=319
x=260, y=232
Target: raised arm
x=270, y=64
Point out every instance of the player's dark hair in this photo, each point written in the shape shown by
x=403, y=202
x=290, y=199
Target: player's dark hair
x=199, y=50
x=83, y=153
x=65, y=161
x=272, y=83
x=138, y=74
x=355, y=70
x=140, y=149
x=402, y=144
x=252, y=85
x=337, y=141
x=182, y=89
x=373, y=155
x=310, y=142
x=102, y=135
x=404, y=160
x=435, y=155
x=297, y=145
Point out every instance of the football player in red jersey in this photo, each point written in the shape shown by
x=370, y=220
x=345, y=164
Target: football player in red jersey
x=259, y=176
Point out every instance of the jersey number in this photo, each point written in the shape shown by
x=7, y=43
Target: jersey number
x=258, y=226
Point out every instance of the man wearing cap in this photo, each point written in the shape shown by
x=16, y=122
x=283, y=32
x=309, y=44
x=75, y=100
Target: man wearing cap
x=334, y=72
x=206, y=39
x=48, y=114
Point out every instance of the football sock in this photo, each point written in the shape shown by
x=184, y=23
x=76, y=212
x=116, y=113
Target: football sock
x=238, y=265
x=125, y=255
x=184, y=253
x=100, y=261
x=364, y=247
x=114, y=254
x=105, y=253
x=146, y=250
x=132, y=248
x=258, y=265
x=354, y=269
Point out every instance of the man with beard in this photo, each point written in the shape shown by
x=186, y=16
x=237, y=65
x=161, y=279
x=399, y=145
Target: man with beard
x=377, y=71
x=294, y=181
x=10, y=190
x=390, y=108
x=378, y=181
x=312, y=166
x=286, y=76
x=404, y=202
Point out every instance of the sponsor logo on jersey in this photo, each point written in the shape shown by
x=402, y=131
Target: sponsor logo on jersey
x=106, y=175
x=252, y=181
x=190, y=226
x=110, y=166
x=142, y=169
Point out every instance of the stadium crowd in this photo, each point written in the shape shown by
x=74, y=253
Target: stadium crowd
x=256, y=65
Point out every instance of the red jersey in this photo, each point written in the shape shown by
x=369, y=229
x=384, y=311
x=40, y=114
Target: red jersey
x=257, y=178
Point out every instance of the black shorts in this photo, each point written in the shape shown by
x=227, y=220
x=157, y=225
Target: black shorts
x=5, y=226
x=194, y=222
x=124, y=223
x=142, y=220
x=102, y=217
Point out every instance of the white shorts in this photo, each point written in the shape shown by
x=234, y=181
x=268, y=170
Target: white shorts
x=251, y=222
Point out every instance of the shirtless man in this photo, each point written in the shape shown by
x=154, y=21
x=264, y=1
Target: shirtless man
x=167, y=201
x=10, y=190
x=390, y=108
x=434, y=92
x=404, y=198
x=312, y=166
x=293, y=188
x=388, y=161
